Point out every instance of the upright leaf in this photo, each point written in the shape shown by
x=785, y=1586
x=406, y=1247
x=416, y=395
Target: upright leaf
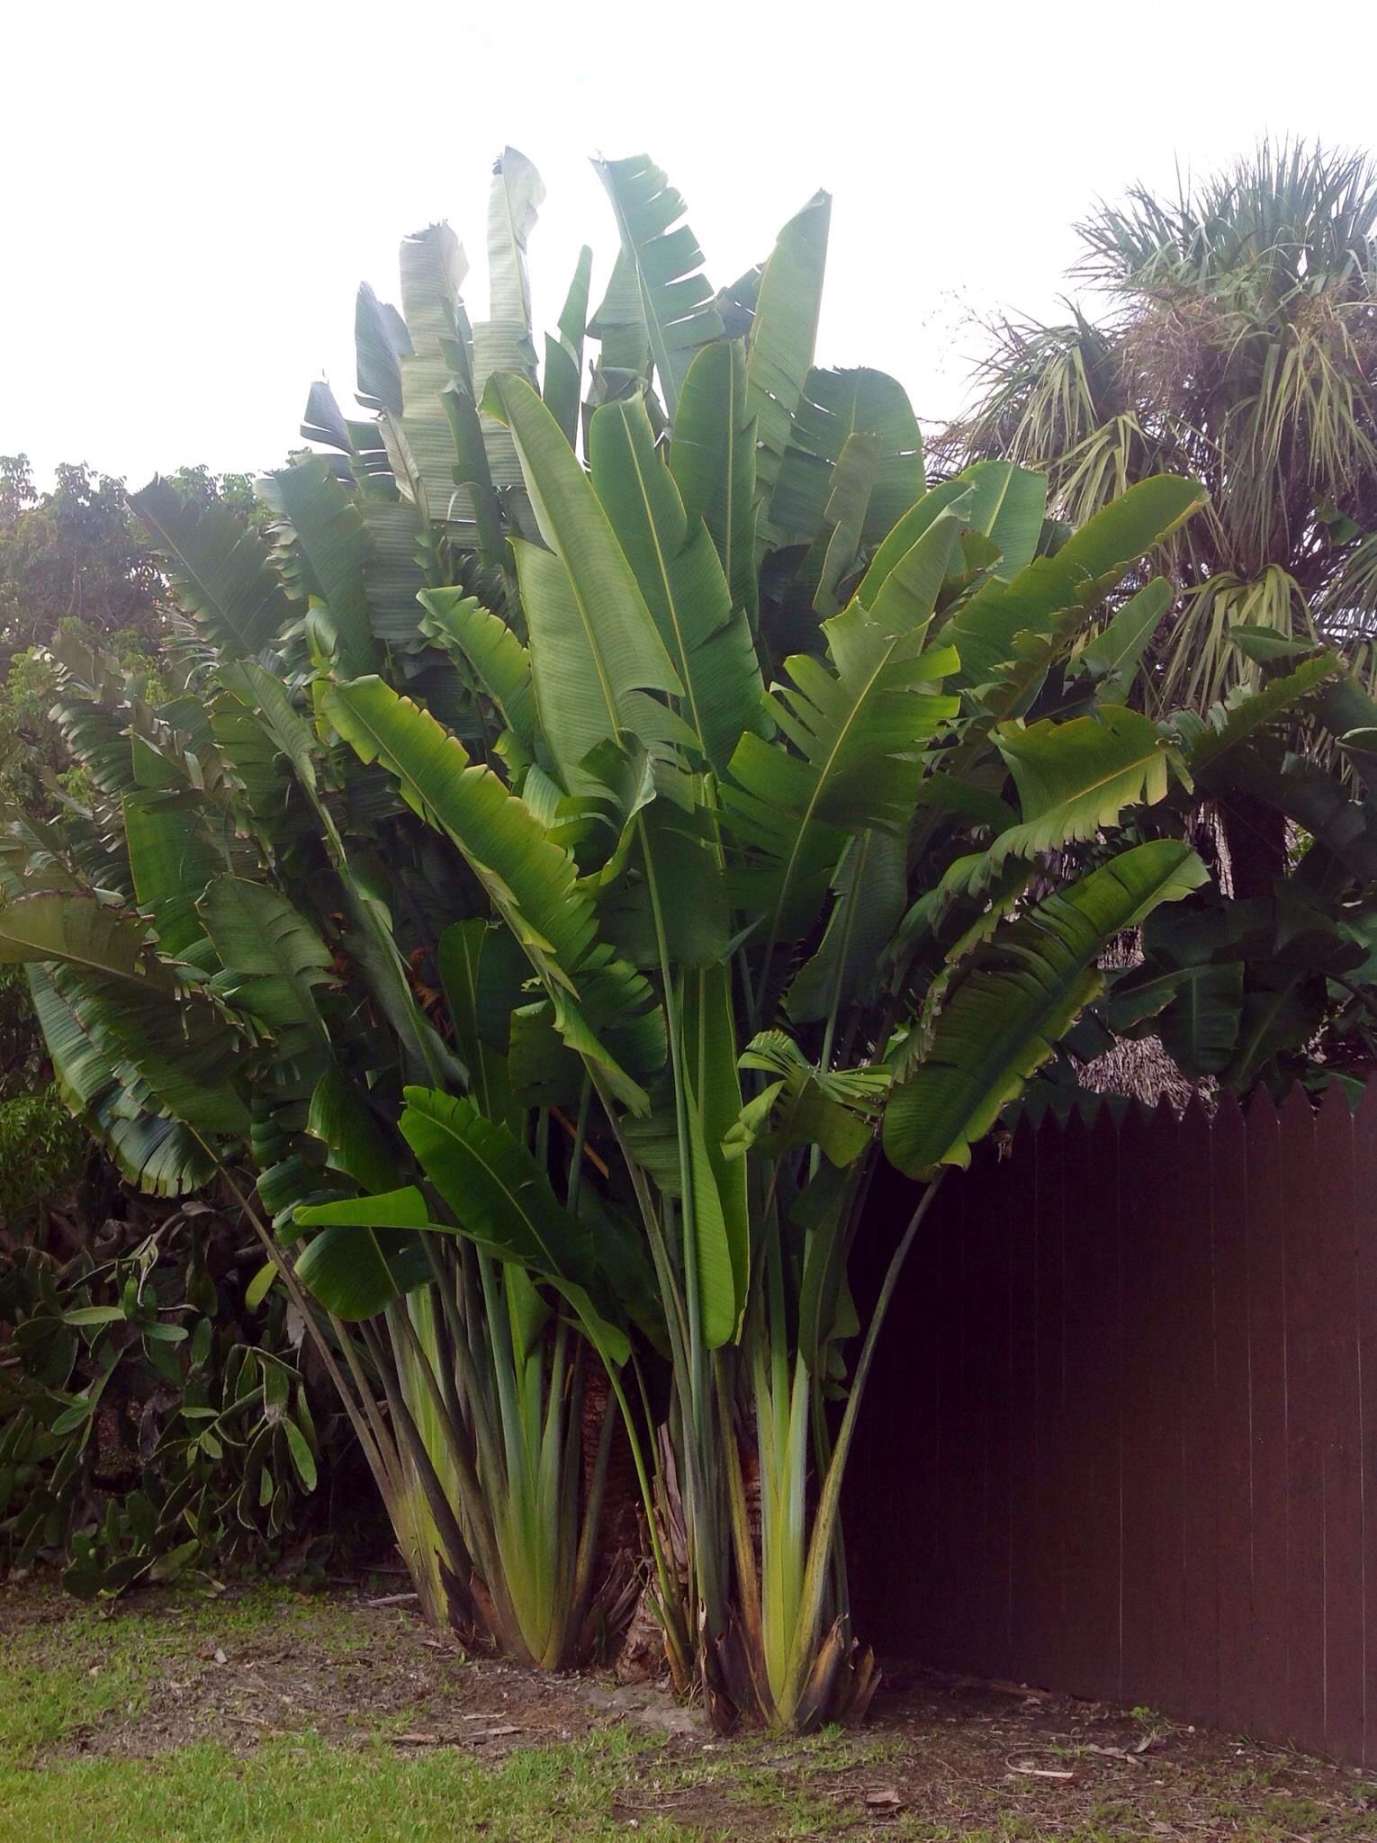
x=712, y=458
x=783, y=335
x=681, y=578
x=677, y=304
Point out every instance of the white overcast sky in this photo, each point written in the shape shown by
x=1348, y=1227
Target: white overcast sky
x=193, y=191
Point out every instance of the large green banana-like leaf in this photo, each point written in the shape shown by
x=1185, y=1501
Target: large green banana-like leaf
x=381, y=341
x=392, y=571
x=594, y=645
x=267, y=705
x=155, y=1154
x=1007, y=504
x=131, y=1006
x=503, y=341
x=783, y=335
x=220, y=569
x=871, y=890
x=986, y=628
x=1074, y=778
x=681, y=578
x=266, y=702
x=500, y=662
x=676, y=299
x=1245, y=712
x=619, y=327
x=484, y=973
x=955, y=496
x=100, y=741
x=273, y=958
x=516, y=196
x=1017, y=997
x=1195, y=1010
x=433, y=267
x=562, y=387
x=532, y=882
x=834, y=1109
x=340, y=1117
x=367, y=1253
x=335, y=551
x=712, y=458
x=834, y=407
x=171, y=858
x=502, y=1199
x=837, y=549
x=822, y=1211
x=859, y=734
x=708, y=1053
x=1112, y=658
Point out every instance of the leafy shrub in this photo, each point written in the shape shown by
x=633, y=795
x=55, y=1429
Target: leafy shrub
x=154, y=1413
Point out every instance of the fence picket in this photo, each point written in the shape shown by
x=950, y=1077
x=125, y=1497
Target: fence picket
x=1138, y=1378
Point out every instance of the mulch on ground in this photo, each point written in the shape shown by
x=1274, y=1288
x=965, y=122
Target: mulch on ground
x=941, y=1758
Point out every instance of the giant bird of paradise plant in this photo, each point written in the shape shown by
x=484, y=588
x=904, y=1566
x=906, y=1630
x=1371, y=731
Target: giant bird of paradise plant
x=590, y=839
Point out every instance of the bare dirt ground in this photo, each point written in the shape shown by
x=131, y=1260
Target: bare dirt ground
x=940, y=1758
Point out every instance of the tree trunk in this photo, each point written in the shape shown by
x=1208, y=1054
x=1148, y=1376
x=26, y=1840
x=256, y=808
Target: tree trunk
x=1256, y=839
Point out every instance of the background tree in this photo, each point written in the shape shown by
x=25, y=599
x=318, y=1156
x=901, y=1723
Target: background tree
x=1238, y=348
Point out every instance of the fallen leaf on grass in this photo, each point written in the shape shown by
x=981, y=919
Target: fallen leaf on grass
x=1031, y=1770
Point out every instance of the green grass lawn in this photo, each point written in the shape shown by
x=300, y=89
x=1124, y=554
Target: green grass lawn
x=303, y=1790
x=273, y=1717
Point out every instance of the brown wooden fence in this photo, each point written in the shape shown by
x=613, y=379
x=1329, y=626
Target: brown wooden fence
x=1121, y=1438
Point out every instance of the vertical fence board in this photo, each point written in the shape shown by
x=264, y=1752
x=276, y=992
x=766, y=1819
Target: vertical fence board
x=1335, y=1259
x=1089, y=1408
x=1199, y=1418
x=1125, y=1437
x=1049, y=1410
x=983, y=1363
x=1365, y=1191
x=1306, y=1357
x=1152, y=1427
x=945, y=1507
x=1239, y=1689
x=1267, y=1344
x=1024, y=1583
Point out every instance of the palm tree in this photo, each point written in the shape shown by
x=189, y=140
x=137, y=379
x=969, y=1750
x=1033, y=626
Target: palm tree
x=1240, y=349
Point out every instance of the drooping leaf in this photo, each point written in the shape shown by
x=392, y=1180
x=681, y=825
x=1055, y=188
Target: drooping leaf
x=134, y=1008
x=335, y=551
x=502, y=1200
x=158, y=1155
x=1017, y=997
x=220, y=569
x=274, y=960
x=532, y=881
x=500, y=662
x=1075, y=778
